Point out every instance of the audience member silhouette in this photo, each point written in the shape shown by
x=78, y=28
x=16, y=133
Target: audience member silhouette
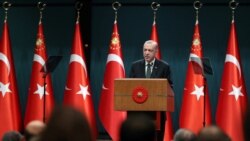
x=212, y=133
x=247, y=124
x=67, y=124
x=12, y=136
x=138, y=128
x=184, y=135
x=33, y=129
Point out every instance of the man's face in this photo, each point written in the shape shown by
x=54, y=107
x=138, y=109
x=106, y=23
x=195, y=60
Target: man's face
x=149, y=52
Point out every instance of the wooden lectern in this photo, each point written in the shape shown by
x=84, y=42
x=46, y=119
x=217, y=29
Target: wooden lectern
x=142, y=94
x=133, y=94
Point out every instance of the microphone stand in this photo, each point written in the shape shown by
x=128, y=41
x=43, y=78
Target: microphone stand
x=48, y=67
x=205, y=69
x=44, y=96
x=204, y=103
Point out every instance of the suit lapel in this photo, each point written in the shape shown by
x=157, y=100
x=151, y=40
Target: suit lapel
x=143, y=69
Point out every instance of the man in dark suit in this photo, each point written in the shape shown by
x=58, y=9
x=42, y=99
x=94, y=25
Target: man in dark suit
x=157, y=68
x=150, y=67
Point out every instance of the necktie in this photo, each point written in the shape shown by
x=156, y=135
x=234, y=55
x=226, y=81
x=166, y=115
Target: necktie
x=148, y=71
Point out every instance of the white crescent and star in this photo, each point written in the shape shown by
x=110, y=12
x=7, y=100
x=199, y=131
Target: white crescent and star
x=115, y=58
x=198, y=91
x=39, y=59
x=198, y=60
x=83, y=89
x=236, y=92
x=232, y=59
x=104, y=88
x=40, y=91
x=5, y=59
x=4, y=88
x=77, y=58
x=66, y=88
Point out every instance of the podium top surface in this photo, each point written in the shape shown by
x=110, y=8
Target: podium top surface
x=147, y=82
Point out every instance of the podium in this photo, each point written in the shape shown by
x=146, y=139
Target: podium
x=141, y=94
x=145, y=96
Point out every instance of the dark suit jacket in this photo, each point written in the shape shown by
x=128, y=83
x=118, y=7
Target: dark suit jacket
x=161, y=69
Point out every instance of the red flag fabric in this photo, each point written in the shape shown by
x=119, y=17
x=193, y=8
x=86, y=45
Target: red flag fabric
x=110, y=118
x=154, y=37
x=232, y=101
x=10, y=117
x=168, y=135
x=192, y=109
x=35, y=102
x=77, y=90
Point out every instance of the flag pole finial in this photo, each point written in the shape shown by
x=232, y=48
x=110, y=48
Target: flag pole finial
x=197, y=6
x=155, y=6
x=233, y=5
x=41, y=6
x=6, y=5
x=116, y=5
x=78, y=7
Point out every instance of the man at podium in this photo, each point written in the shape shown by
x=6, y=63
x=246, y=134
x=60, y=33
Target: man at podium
x=151, y=67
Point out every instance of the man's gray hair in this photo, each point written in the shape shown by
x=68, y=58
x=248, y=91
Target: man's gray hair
x=151, y=42
x=184, y=135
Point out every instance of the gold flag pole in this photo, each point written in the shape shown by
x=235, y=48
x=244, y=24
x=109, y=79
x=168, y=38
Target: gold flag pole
x=197, y=6
x=41, y=6
x=6, y=5
x=116, y=5
x=233, y=5
x=78, y=7
x=155, y=6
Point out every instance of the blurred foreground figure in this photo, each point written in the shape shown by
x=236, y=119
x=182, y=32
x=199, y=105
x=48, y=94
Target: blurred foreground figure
x=138, y=128
x=67, y=124
x=184, y=135
x=33, y=129
x=212, y=133
x=12, y=136
x=247, y=124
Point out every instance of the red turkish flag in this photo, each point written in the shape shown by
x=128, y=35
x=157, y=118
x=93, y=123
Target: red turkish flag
x=168, y=135
x=10, y=117
x=110, y=118
x=154, y=37
x=232, y=101
x=192, y=110
x=35, y=102
x=77, y=90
